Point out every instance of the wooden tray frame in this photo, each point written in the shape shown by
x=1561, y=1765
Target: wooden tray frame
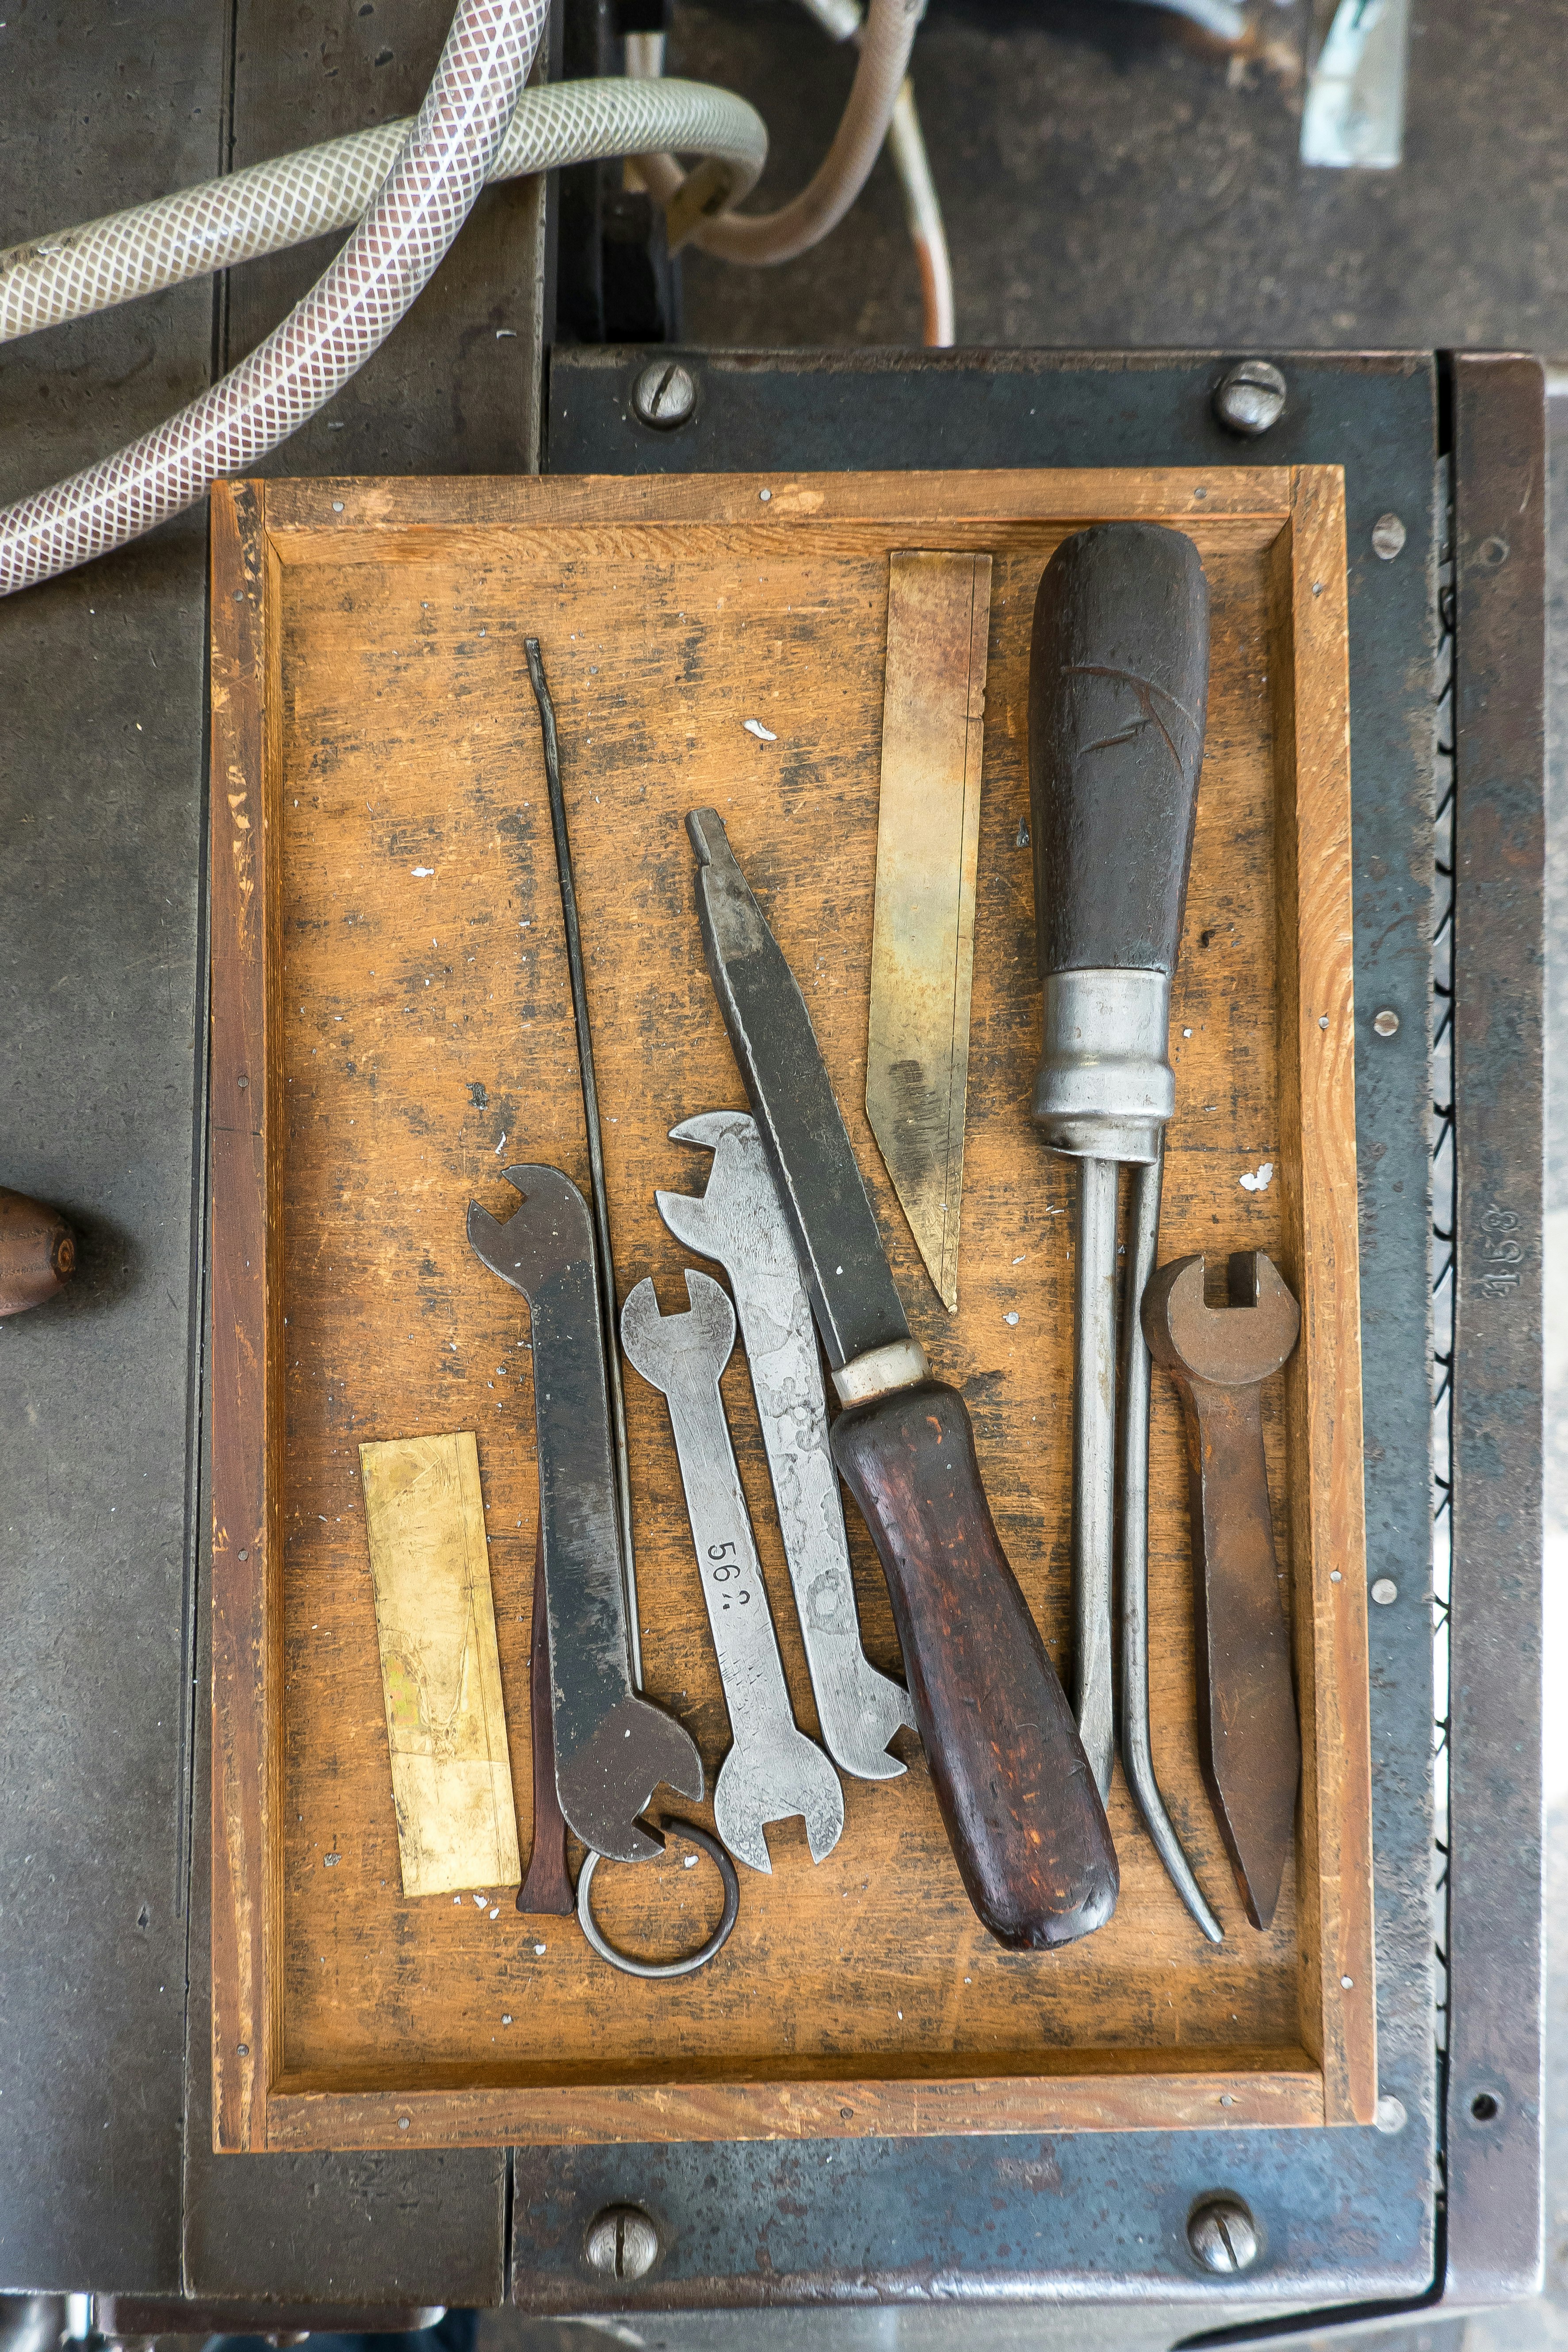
x=1297, y=515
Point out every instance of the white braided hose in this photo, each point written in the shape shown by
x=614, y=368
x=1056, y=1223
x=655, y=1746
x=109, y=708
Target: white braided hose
x=270, y=206
x=350, y=309
x=822, y=204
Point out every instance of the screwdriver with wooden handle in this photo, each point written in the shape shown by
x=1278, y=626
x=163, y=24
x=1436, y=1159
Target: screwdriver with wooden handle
x=1118, y=692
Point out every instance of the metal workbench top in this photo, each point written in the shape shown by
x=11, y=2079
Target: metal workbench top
x=106, y=2180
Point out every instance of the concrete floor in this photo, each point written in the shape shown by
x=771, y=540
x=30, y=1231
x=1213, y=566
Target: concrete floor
x=1107, y=181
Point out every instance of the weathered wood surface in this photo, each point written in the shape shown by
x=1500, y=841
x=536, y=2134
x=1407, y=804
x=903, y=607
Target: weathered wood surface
x=1325, y=1502
x=1276, y=2089
x=246, y=1464
x=440, y=1673
x=425, y=1016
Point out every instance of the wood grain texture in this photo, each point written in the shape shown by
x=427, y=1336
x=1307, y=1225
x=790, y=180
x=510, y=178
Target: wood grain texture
x=440, y=1673
x=246, y=1497
x=1238, y=509
x=1316, y=1013
x=1284, y=2092
x=964, y=1626
x=425, y=1040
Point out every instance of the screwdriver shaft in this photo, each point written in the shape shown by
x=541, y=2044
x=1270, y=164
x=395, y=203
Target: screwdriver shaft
x=1137, y=1750
x=1094, y=1462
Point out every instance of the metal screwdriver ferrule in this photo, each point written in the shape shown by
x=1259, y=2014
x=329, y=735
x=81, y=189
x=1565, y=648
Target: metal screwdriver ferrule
x=1105, y=1087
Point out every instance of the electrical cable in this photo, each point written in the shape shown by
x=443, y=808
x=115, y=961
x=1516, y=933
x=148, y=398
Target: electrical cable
x=766, y=238
x=922, y=211
x=1221, y=19
x=841, y=20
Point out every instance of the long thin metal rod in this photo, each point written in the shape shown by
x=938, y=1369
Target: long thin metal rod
x=609, y=1306
x=1132, y=1482
x=1094, y=1463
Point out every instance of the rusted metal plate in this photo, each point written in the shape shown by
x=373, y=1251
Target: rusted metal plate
x=1495, y=1846
x=927, y=841
x=1249, y=1738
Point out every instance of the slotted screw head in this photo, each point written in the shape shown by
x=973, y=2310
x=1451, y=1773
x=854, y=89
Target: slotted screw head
x=622, y=2242
x=664, y=394
x=1387, y=537
x=1386, y=1022
x=1250, y=397
x=1222, y=2235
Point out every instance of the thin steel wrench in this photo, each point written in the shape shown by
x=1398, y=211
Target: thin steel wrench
x=773, y=1771
x=739, y=1222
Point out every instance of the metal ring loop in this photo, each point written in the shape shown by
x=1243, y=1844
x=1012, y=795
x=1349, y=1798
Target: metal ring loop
x=692, y=1960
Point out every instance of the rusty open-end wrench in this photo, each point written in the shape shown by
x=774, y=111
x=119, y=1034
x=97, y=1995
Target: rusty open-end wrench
x=612, y=1747
x=1247, y=1737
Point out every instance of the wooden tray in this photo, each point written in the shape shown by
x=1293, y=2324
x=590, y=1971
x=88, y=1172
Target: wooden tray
x=390, y=1001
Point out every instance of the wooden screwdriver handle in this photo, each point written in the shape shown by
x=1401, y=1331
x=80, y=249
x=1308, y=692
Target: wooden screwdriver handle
x=1118, y=695
x=1016, y=1794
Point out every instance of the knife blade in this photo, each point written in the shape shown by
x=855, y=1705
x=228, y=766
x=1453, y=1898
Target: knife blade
x=1023, y=1815
x=928, y=844
x=831, y=1220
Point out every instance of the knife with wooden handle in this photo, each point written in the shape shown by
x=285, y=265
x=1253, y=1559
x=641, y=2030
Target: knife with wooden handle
x=1022, y=1812
x=928, y=846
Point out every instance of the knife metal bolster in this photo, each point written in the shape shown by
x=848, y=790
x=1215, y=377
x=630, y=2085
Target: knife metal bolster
x=879, y=1371
x=1105, y=1089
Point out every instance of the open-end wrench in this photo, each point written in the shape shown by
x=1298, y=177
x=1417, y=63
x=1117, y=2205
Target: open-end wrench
x=1247, y=1737
x=738, y=1221
x=612, y=1747
x=773, y=1771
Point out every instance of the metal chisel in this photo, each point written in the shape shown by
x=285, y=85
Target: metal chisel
x=1025, y=1819
x=1118, y=695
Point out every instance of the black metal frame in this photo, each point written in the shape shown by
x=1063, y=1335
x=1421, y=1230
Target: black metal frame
x=1353, y=2219
x=1494, y=2047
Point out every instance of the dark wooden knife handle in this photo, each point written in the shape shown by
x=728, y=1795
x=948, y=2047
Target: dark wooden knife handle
x=1017, y=1797
x=1119, y=668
